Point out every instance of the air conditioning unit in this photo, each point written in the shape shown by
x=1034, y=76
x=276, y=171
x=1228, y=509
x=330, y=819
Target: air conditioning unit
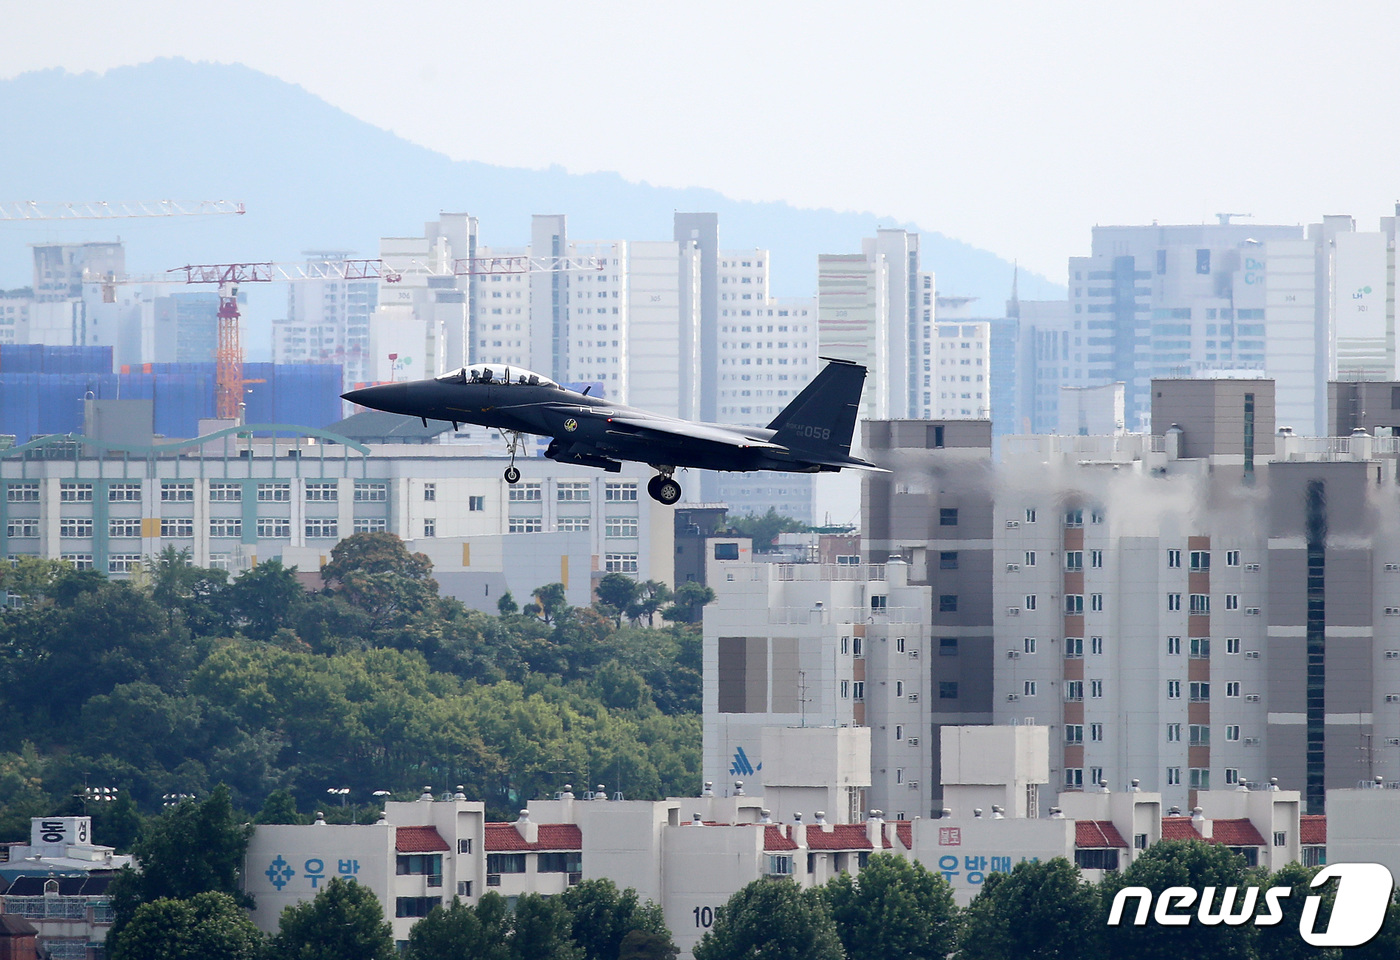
x=913, y=654
x=1392, y=741
x=1251, y=611
x=1013, y=568
x=1392, y=567
x=1252, y=567
x=1392, y=611
x=1013, y=654
x=913, y=741
x=1013, y=696
x=1251, y=741
x=1251, y=654
x=913, y=698
x=1392, y=654
x=1392, y=698
x=1013, y=523
x=1251, y=697
x=1013, y=611
x=913, y=784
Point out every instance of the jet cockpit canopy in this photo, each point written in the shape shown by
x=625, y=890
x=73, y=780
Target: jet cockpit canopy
x=497, y=373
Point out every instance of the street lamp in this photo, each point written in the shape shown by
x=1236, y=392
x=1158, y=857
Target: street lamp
x=341, y=792
x=175, y=799
x=96, y=795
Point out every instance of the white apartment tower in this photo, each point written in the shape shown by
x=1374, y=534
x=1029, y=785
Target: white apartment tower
x=328, y=321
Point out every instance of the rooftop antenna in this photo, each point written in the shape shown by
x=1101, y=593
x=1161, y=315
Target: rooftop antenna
x=802, y=694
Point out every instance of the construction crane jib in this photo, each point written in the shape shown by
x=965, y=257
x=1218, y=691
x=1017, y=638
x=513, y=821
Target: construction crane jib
x=106, y=210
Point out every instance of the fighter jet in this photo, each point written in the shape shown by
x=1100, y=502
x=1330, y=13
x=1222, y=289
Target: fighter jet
x=812, y=434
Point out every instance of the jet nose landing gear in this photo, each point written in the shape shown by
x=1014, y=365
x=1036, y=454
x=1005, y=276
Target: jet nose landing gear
x=663, y=488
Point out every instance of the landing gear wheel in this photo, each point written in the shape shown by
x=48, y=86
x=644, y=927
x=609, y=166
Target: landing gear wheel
x=512, y=474
x=513, y=444
x=664, y=490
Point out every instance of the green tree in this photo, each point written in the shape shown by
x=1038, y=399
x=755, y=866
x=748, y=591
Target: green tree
x=196, y=847
x=764, y=528
x=651, y=597
x=894, y=907
x=506, y=605
x=1384, y=945
x=280, y=807
x=774, y=920
x=641, y=945
x=265, y=599
x=690, y=597
x=376, y=575
x=1180, y=863
x=462, y=932
x=1281, y=941
x=550, y=603
x=188, y=594
x=541, y=930
x=616, y=593
x=1038, y=910
x=208, y=926
x=601, y=918
x=345, y=921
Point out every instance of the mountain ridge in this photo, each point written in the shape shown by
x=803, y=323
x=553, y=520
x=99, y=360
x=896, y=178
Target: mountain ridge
x=316, y=177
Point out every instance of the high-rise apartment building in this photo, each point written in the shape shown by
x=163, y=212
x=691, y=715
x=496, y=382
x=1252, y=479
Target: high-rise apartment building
x=328, y=321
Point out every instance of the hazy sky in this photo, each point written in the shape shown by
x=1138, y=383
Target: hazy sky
x=1015, y=126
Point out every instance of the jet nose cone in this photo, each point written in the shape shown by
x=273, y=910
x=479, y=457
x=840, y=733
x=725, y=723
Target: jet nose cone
x=390, y=397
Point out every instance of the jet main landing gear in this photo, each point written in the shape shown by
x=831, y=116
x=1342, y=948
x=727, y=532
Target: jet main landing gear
x=664, y=488
x=514, y=443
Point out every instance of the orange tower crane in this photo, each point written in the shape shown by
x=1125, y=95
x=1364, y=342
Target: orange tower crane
x=228, y=354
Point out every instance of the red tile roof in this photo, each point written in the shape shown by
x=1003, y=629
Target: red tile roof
x=418, y=840
x=1313, y=828
x=1236, y=833
x=775, y=838
x=843, y=836
x=504, y=838
x=1097, y=834
x=1179, y=828
x=904, y=829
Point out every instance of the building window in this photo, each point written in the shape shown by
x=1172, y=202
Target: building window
x=573, y=491
x=1173, y=601
x=624, y=528
x=1232, y=689
x=274, y=528
x=1200, y=691
x=1232, y=733
x=858, y=689
x=1232, y=601
x=371, y=491
x=1096, y=646
x=1232, y=558
x=1074, y=778
x=430, y=527
x=1173, y=733
x=421, y=864
x=948, y=560
x=1232, y=645
x=1096, y=559
x=948, y=690
x=947, y=646
x=620, y=492
x=1028, y=688
x=948, y=516
x=476, y=504
x=1030, y=514
x=1173, y=689
x=371, y=525
x=1096, y=689
x=1200, y=604
x=525, y=525
x=415, y=906
x=1096, y=732
x=131, y=492
x=1030, y=601
x=322, y=491
x=570, y=861
x=1074, y=690
x=899, y=688
x=75, y=527
x=274, y=492
x=1096, y=602
x=320, y=528
x=176, y=492
x=430, y=492
x=1199, y=734
x=1074, y=560
x=1030, y=558
x=29, y=492
x=505, y=863
x=1074, y=518
x=948, y=603
x=1173, y=558
x=1074, y=733
x=1028, y=644
x=1173, y=646
x=1074, y=647
x=845, y=689
x=899, y=731
x=1173, y=776
x=80, y=561
x=1074, y=604
x=226, y=527
x=1200, y=648
x=176, y=527
x=1199, y=778
x=620, y=563
x=1200, y=561
x=526, y=492
x=123, y=562
x=125, y=527
x=73, y=492
x=578, y=525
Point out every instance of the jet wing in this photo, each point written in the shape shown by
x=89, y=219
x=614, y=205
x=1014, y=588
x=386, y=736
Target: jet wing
x=679, y=431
